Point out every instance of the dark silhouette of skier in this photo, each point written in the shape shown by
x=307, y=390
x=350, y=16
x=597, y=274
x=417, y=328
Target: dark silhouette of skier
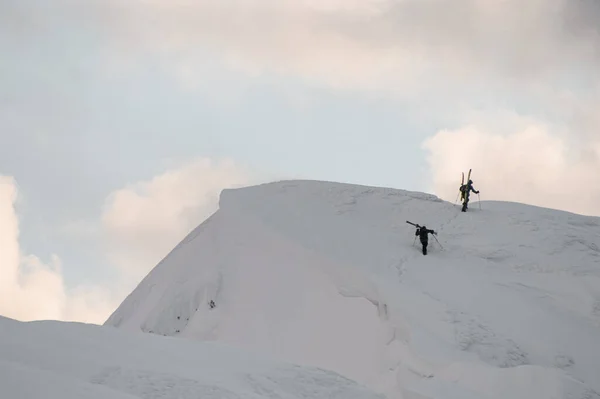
x=465, y=191
x=423, y=233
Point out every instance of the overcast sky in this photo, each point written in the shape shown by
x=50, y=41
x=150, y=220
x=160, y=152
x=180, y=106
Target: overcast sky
x=121, y=121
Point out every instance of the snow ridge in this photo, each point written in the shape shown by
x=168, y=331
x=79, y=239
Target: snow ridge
x=326, y=274
x=55, y=360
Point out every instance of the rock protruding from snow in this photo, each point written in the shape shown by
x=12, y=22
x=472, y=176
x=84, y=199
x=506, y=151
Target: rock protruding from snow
x=326, y=274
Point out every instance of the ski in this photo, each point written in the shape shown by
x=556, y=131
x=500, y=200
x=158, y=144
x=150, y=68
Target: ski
x=462, y=184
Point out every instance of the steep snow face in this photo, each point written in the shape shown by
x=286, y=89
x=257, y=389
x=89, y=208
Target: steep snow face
x=53, y=360
x=327, y=274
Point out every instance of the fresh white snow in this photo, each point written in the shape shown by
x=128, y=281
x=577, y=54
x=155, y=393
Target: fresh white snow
x=54, y=360
x=326, y=274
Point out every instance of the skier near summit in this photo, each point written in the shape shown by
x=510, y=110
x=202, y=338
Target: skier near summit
x=423, y=233
x=465, y=191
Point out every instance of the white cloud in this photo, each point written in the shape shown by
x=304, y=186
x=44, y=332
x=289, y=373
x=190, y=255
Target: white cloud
x=529, y=165
x=447, y=57
x=405, y=45
x=31, y=289
x=143, y=222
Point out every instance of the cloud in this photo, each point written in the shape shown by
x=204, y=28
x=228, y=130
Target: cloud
x=458, y=50
x=141, y=223
x=529, y=165
x=444, y=58
x=402, y=45
x=31, y=289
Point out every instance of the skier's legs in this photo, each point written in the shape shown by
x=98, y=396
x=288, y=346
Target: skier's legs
x=424, y=243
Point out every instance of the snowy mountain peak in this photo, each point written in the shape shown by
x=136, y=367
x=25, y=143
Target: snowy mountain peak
x=506, y=304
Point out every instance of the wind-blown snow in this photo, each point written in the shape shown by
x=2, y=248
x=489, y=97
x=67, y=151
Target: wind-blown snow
x=326, y=274
x=54, y=360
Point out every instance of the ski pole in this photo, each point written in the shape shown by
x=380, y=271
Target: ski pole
x=456, y=200
x=438, y=241
x=414, y=241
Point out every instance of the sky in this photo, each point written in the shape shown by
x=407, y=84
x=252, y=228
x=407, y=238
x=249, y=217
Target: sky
x=121, y=121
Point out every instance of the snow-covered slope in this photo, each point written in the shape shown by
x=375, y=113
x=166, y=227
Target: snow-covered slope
x=326, y=274
x=53, y=360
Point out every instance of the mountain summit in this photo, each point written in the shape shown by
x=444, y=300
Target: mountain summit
x=505, y=305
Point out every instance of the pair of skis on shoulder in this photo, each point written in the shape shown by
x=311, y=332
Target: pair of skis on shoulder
x=461, y=191
x=462, y=184
x=463, y=177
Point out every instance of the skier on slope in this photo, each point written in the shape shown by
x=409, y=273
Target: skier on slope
x=423, y=234
x=465, y=192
